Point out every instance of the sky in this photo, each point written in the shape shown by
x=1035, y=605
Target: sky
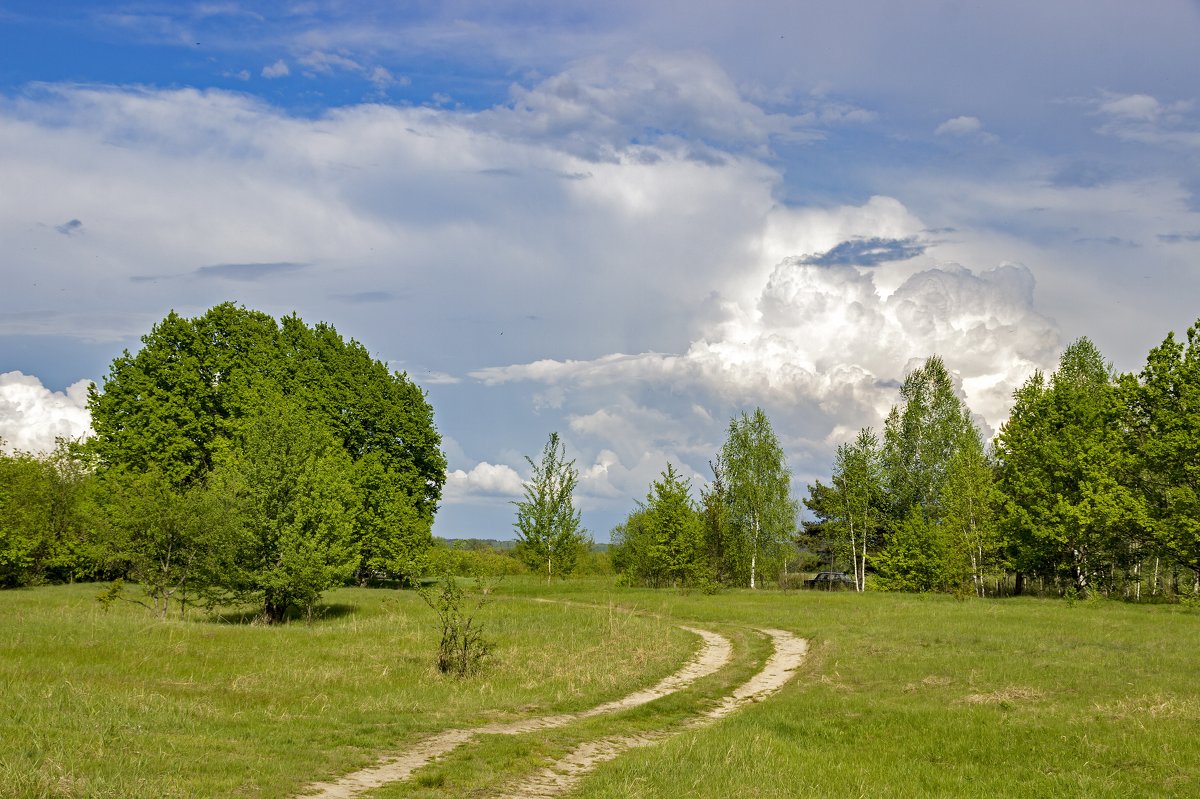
x=627, y=222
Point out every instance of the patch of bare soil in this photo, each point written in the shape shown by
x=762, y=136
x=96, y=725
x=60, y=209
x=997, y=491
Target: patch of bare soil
x=714, y=653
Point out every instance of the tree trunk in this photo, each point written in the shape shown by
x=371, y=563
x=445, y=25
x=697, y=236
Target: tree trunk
x=754, y=553
x=274, y=612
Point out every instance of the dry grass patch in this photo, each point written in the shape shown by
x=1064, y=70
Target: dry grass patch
x=1154, y=707
x=1006, y=696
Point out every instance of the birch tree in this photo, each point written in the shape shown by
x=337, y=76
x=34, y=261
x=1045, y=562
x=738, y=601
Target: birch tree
x=968, y=508
x=548, y=526
x=858, y=485
x=759, y=485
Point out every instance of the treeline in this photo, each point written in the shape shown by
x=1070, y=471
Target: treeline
x=472, y=557
x=1090, y=486
x=741, y=531
x=235, y=459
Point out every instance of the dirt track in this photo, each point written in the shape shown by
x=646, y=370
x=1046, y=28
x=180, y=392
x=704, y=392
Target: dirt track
x=561, y=776
x=564, y=774
x=714, y=653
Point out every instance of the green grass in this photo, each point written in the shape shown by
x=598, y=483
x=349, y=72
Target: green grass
x=909, y=696
x=901, y=696
x=119, y=704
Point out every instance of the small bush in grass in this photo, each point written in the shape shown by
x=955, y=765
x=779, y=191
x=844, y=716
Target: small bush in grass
x=463, y=647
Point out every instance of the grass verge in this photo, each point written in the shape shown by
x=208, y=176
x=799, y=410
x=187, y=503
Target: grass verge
x=120, y=704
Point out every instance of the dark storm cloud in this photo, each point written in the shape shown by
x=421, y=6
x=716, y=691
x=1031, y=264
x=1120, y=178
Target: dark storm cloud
x=867, y=252
x=1178, y=238
x=249, y=272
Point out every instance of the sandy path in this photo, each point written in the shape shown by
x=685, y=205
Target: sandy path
x=566, y=773
x=714, y=653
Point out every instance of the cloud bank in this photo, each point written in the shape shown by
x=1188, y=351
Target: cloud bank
x=32, y=416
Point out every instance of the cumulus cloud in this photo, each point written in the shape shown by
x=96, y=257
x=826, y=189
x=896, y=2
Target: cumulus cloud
x=1131, y=106
x=484, y=480
x=822, y=346
x=279, y=69
x=827, y=339
x=965, y=127
x=32, y=416
x=639, y=197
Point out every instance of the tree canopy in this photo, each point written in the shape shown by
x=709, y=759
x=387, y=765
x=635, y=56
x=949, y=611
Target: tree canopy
x=333, y=460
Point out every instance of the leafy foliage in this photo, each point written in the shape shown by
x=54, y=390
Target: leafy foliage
x=44, y=519
x=853, y=506
x=1064, y=469
x=462, y=647
x=183, y=402
x=1164, y=418
x=662, y=542
x=258, y=460
x=296, y=492
x=761, y=508
x=548, y=526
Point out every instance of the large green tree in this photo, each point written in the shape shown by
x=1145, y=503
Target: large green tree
x=549, y=528
x=920, y=436
x=1164, y=406
x=761, y=507
x=1065, y=470
x=188, y=394
x=922, y=441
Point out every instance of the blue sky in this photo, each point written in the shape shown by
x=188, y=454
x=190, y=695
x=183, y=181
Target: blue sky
x=626, y=222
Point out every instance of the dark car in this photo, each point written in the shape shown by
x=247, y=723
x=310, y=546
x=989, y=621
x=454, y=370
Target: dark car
x=830, y=581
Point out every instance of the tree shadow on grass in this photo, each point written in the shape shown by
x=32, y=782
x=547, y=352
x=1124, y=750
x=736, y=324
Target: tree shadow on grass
x=323, y=612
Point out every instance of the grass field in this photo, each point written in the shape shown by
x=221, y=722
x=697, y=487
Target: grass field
x=901, y=696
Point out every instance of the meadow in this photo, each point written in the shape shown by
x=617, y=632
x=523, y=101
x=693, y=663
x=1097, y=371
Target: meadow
x=900, y=696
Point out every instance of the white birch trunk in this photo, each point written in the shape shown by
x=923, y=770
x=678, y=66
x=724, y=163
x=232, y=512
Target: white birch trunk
x=754, y=553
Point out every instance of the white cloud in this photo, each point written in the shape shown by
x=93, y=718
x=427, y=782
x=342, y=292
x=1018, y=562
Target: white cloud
x=484, y=480
x=618, y=207
x=684, y=100
x=325, y=63
x=959, y=126
x=277, y=70
x=827, y=338
x=1143, y=118
x=1131, y=106
x=822, y=348
x=383, y=79
x=32, y=416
